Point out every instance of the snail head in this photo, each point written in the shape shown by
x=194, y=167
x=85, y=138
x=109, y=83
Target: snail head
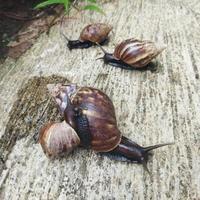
x=61, y=94
x=108, y=57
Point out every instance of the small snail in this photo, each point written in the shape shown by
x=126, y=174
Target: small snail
x=91, y=114
x=132, y=54
x=90, y=35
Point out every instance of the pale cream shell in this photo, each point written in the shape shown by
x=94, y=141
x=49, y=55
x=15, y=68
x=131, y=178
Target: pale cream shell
x=58, y=139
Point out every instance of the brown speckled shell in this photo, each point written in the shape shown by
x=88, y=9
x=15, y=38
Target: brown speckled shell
x=95, y=32
x=58, y=139
x=136, y=53
x=101, y=117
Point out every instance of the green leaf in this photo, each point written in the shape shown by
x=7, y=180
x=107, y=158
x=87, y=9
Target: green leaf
x=92, y=1
x=93, y=7
x=48, y=2
x=66, y=3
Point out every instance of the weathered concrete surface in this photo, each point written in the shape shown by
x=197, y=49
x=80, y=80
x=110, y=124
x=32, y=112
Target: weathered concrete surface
x=151, y=107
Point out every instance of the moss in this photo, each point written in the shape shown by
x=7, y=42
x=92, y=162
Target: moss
x=31, y=110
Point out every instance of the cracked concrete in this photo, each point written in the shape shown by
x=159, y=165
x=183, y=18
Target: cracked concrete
x=151, y=107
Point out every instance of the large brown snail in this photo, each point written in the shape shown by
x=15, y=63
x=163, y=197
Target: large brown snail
x=91, y=116
x=133, y=54
x=90, y=35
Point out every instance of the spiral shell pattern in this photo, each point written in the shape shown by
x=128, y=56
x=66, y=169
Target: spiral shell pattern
x=137, y=53
x=58, y=139
x=99, y=110
x=95, y=32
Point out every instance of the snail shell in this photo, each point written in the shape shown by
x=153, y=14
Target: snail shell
x=132, y=54
x=137, y=53
x=96, y=107
x=58, y=139
x=97, y=32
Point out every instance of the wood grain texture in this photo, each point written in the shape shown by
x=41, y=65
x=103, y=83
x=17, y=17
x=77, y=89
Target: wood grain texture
x=151, y=107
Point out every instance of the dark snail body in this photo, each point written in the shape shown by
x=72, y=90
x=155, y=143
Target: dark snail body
x=77, y=44
x=132, y=54
x=111, y=60
x=129, y=151
x=91, y=114
x=82, y=127
x=90, y=35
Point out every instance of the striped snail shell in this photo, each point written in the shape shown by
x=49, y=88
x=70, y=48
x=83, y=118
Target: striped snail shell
x=133, y=54
x=58, y=139
x=100, y=115
x=92, y=34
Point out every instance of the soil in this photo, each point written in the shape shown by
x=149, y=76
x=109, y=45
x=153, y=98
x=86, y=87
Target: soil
x=13, y=17
x=23, y=115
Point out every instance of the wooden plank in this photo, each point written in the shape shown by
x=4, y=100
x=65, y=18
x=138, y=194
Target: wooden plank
x=151, y=107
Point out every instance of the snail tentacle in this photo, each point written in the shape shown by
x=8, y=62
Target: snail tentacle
x=144, y=164
x=150, y=148
x=99, y=45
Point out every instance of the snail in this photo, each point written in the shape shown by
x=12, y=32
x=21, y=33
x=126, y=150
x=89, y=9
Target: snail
x=90, y=35
x=132, y=54
x=91, y=114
